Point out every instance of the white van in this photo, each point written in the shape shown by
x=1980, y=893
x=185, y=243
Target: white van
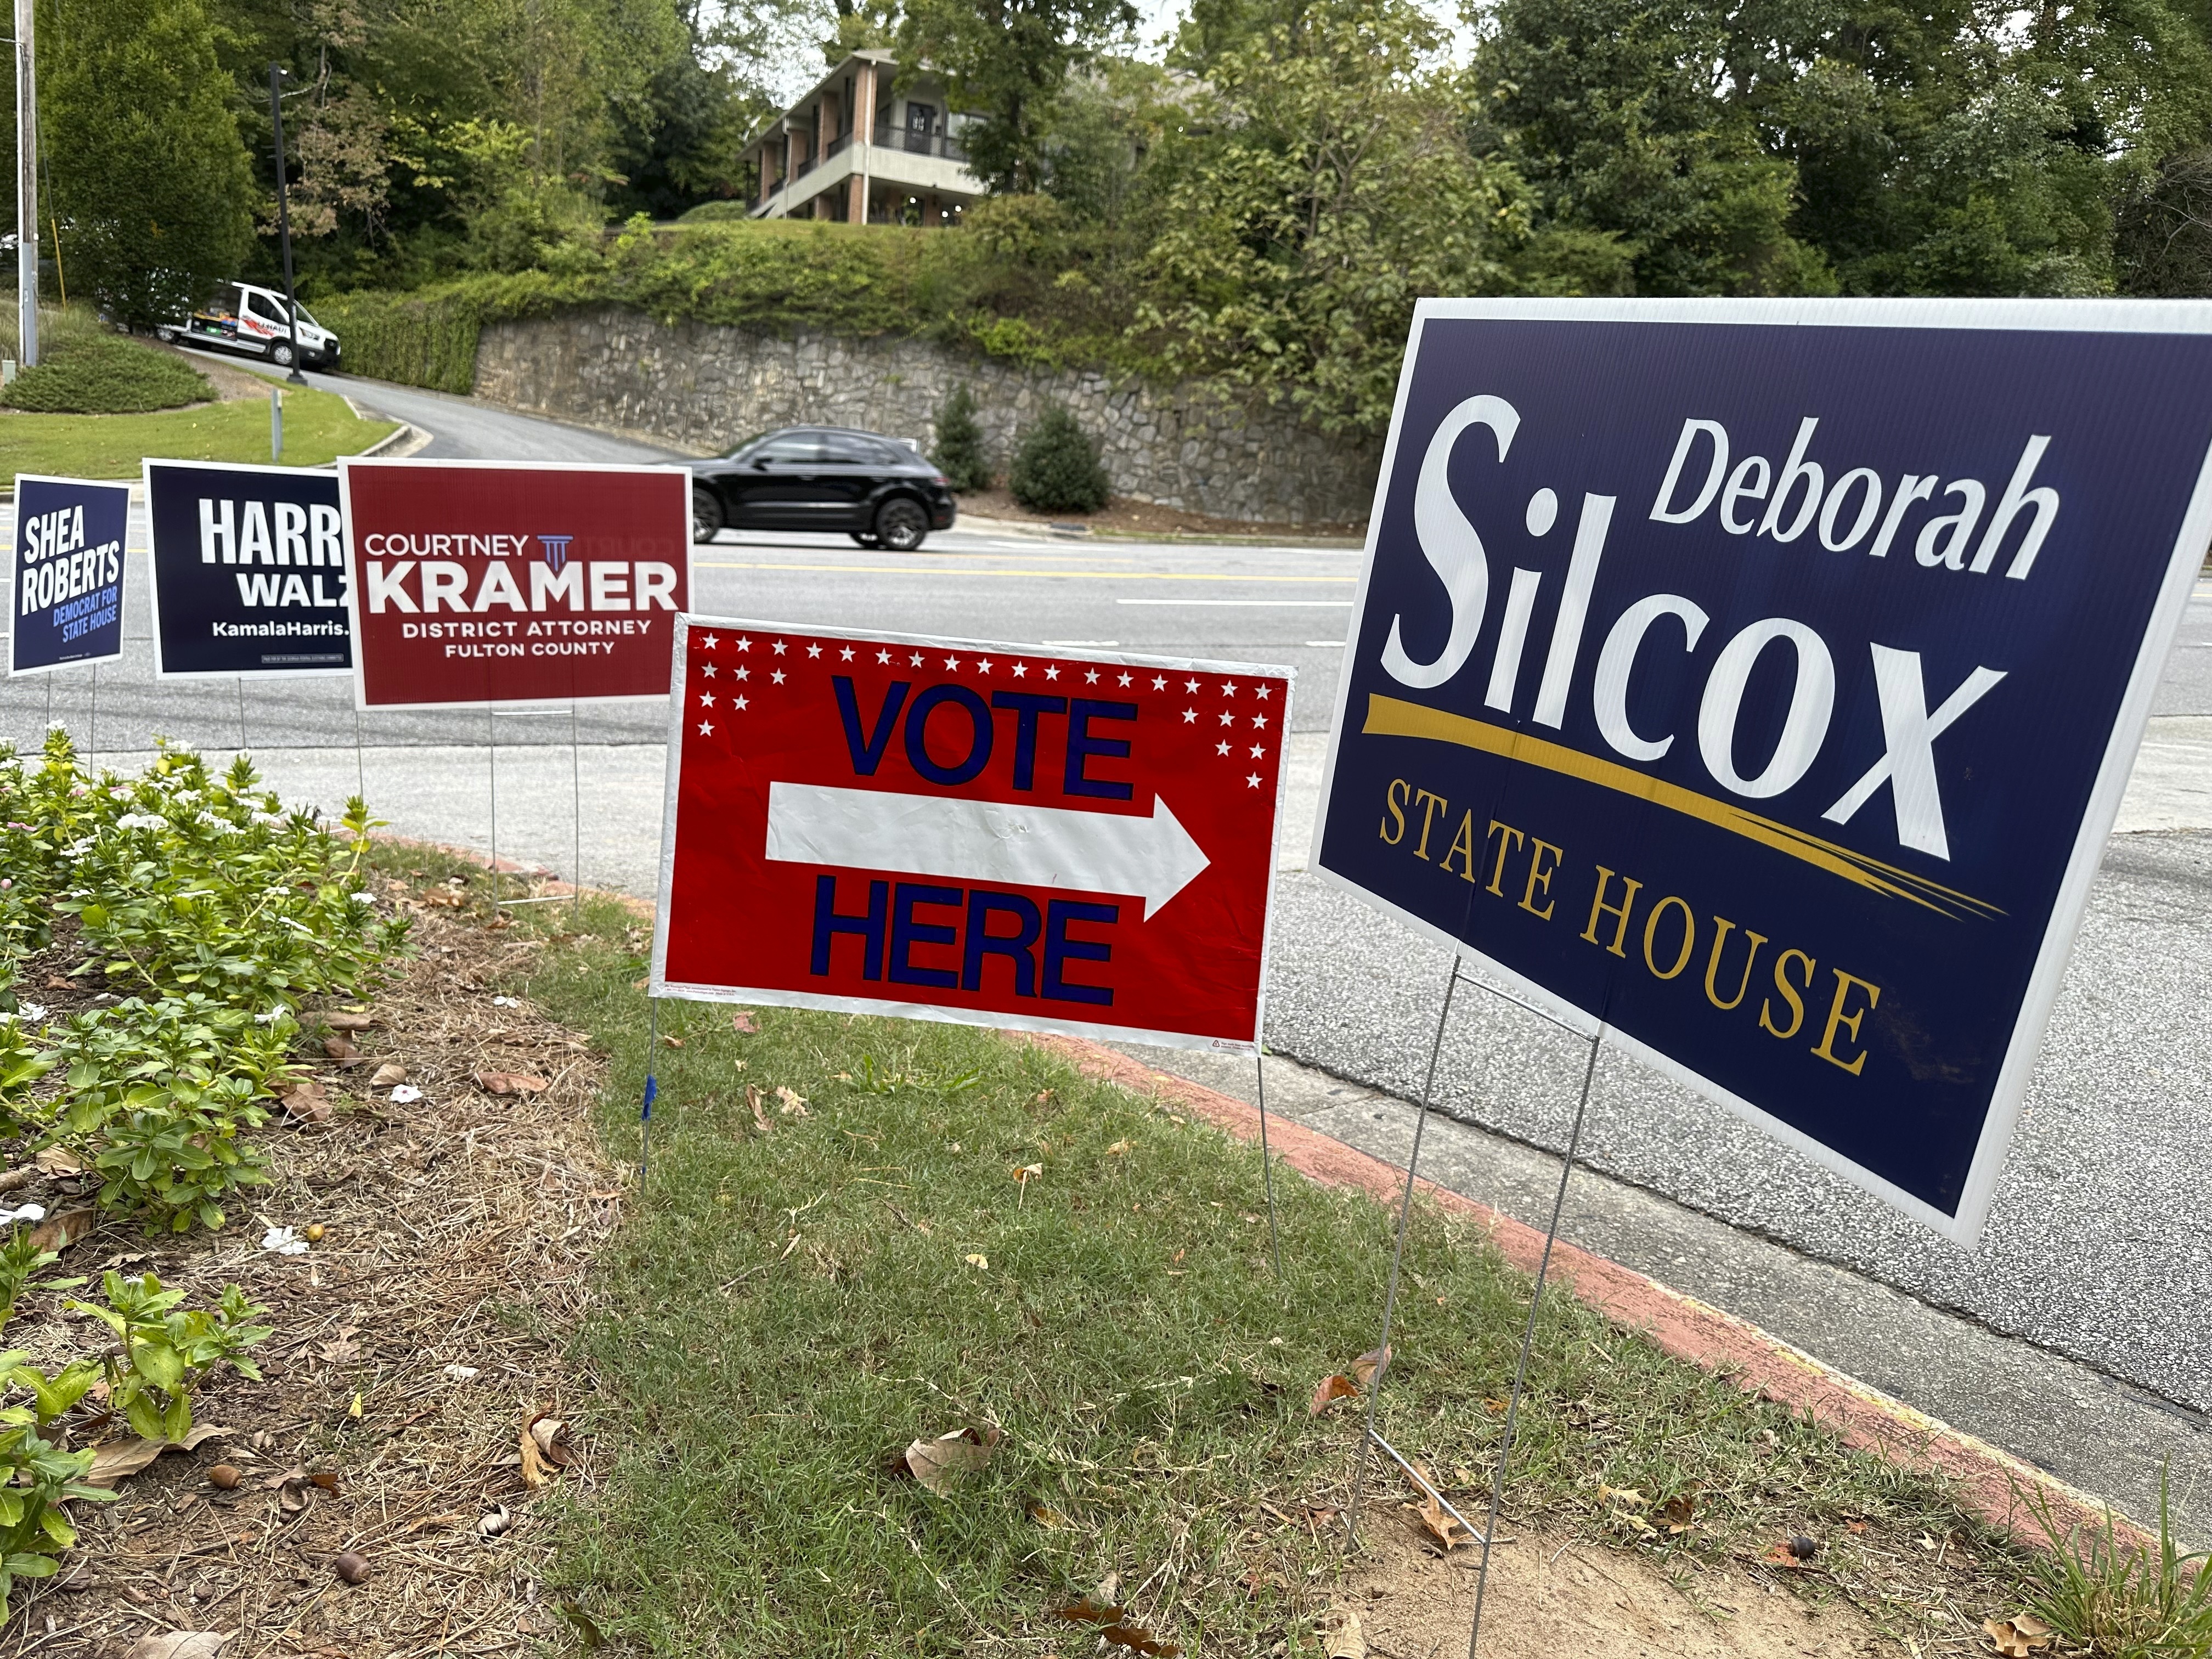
x=243, y=318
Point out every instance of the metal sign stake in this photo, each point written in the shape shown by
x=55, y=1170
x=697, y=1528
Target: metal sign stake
x=1266, y=1162
x=576, y=850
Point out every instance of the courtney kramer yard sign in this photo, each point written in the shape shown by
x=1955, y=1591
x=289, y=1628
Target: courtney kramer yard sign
x=989, y=834
x=479, y=582
x=1761, y=679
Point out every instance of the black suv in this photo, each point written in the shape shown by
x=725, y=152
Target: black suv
x=877, y=490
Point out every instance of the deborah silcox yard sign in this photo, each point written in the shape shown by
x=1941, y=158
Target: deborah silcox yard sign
x=1761, y=679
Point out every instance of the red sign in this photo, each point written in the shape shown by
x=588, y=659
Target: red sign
x=476, y=582
x=983, y=833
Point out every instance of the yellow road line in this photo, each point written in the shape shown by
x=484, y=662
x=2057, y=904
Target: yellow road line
x=959, y=570
x=1393, y=717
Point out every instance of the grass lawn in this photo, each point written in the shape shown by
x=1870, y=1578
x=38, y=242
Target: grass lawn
x=319, y=428
x=813, y=1279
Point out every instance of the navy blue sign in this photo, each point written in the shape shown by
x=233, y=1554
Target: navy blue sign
x=69, y=573
x=1760, y=680
x=249, y=571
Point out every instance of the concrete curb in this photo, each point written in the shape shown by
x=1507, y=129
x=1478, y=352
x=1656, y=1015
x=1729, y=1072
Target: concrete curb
x=1991, y=1483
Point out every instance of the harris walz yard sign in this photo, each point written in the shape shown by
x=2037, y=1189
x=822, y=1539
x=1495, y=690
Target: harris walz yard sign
x=1760, y=679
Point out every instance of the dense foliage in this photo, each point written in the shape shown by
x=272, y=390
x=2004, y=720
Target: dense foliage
x=1056, y=468
x=958, y=450
x=105, y=375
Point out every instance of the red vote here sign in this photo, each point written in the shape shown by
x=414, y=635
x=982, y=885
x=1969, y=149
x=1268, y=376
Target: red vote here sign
x=990, y=834
x=474, y=581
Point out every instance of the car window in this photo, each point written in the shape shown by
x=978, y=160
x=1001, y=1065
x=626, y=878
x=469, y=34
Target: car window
x=794, y=449
x=846, y=449
x=306, y=316
x=261, y=308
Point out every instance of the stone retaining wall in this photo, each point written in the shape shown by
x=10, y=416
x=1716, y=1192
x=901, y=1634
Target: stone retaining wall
x=705, y=389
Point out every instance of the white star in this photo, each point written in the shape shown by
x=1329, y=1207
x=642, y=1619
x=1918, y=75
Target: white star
x=1190, y=685
x=1228, y=719
x=708, y=642
x=1051, y=672
x=1190, y=717
x=1259, y=720
x=845, y=655
x=1253, y=781
x=779, y=647
x=1228, y=687
x=740, y=701
x=915, y=661
x=1159, y=681
x=705, y=728
x=952, y=662
x=777, y=677
x=744, y=644
x=883, y=656
x=1091, y=678
x=708, y=671
x=1259, y=751
x=745, y=673
x=983, y=664
x=1220, y=748
x=1021, y=671
x=706, y=700
x=1125, y=679
x=813, y=650
x=1261, y=692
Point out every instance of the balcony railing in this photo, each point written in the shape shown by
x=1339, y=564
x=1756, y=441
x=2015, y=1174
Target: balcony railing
x=921, y=143
x=803, y=165
x=837, y=146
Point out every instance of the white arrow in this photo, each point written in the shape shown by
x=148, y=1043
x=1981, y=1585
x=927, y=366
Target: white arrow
x=981, y=841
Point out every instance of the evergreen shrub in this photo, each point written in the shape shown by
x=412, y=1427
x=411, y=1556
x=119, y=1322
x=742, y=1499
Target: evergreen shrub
x=1057, y=468
x=959, y=448
x=106, y=374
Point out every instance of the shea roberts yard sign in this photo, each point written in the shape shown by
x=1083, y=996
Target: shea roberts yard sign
x=69, y=573
x=989, y=834
x=249, y=572
x=1761, y=679
x=479, y=582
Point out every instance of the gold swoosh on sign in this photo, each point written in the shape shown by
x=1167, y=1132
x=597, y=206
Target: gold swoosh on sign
x=1393, y=717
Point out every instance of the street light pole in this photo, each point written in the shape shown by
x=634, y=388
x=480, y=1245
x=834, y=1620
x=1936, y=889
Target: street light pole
x=283, y=216
x=27, y=190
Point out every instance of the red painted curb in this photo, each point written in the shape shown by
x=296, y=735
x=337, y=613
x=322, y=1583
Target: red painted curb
x=1990, y=1482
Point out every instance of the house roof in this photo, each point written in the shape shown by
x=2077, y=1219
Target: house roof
x=876, y=55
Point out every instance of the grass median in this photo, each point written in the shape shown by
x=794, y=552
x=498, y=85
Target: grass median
x=319, y=428
x=860, y=1232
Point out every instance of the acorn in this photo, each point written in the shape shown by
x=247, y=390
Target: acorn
x=1803, y=1548
x=315, y=1232
x=352, y=1566
x=224, y=1475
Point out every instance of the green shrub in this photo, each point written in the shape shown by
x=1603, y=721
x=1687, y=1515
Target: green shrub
x=107, y=375
x=1057, y=468
x=959, y=449
x=166, y=1352
x=37, y=1476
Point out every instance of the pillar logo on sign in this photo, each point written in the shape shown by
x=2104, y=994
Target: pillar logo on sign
x=989, y=833
x=482, y=582
x=1769, y=695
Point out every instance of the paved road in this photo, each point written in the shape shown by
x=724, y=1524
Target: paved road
x=2101, y=1246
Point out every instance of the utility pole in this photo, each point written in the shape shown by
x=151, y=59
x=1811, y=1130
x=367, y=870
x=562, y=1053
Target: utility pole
x=27, y=190
x=283, y=216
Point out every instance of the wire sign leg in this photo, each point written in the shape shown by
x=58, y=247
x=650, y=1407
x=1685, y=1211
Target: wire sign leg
x=576, y=853
x=491, y=743
x=1397, y=1256
x=1268, y=1164
x=1528, y=1337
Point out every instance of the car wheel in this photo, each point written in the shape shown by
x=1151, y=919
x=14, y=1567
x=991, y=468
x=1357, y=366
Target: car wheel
x=166, y=336
x=866, y=539
x=901, y=524
x=706, y=514
x=280, y=353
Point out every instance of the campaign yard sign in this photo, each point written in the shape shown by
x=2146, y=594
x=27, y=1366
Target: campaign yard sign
x=989, y=834
x=1761, y=679
x=249, y=572
x=480, y=582
x=69, y=573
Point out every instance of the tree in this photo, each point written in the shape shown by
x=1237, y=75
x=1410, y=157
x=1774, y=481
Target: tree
x=150, y=182
x=1056, y=470
x=1315, y=187
x=1006, y=60
x=958, y=451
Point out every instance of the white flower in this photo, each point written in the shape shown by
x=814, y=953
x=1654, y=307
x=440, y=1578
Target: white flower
x=405, y=1095
x=461, y=1373
x=271, y=1017
x=31, y=1012
x=364, y=898
x=282, y=1240
x=28, y=1212
x=506, y=1002
x=141, y=821
x=271, y=820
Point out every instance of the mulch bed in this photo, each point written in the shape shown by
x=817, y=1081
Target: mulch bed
x=415, y=1345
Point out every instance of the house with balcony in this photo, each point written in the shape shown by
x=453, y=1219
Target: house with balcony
x=859, y=148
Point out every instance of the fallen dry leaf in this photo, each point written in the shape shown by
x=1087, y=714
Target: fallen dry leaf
x=179, y=1644
x=338, y=1047
x=510, y=1082
x=754, y=1099
x=1113, y=1624
x=939, y=1463
x=1440, y=1523
x=59, y=1232
x=306, y=1103
x=340, y=1020
x=428, y=1522
x=494, y=1521
x=119, y=1459
x=1372, y=1366
x=2020, y=1636
x=1045, y=1516
x=1117, y=1148
x=1780, y=1555
x=389, y=1075
x=981, y=1262
x=1330, y=1389
x=1349, y=1640
x=58, y=1161
x=744, y=1024
x=536, y=1472
x=793, y=1105
x=1026, y=1173
x=551, y=1435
